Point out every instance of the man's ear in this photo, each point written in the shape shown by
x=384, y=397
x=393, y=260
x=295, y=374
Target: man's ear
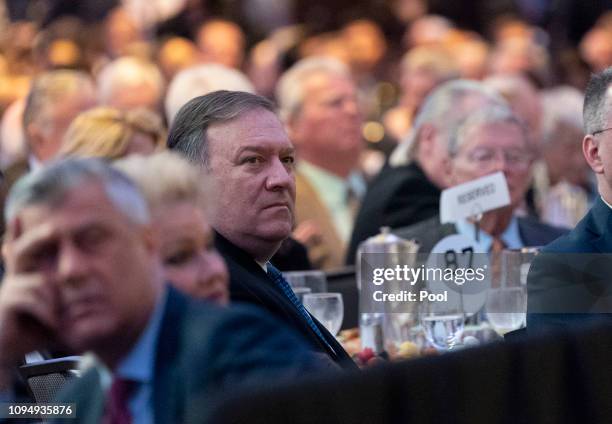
x=292, y=126
x=448, y=172
x=426, y=139
x=590, y=149
x=151, y=240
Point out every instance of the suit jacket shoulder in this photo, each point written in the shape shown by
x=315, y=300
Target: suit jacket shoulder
x=250, y=284
x=535, y=233
x=591, y=234
x=396, y=198
x=203, y=351
x=11, y=175
x=427, y=233
x=568, y=281
x=329, y=252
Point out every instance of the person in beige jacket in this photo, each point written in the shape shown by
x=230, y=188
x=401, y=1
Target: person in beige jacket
x=318, y=103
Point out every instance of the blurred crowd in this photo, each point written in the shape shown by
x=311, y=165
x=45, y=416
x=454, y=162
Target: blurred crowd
x=298, y=130
x=136, y=63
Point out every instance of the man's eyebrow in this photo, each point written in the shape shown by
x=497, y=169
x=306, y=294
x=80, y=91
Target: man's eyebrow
x=288, y=151
x=255, y=149
x=264, y=149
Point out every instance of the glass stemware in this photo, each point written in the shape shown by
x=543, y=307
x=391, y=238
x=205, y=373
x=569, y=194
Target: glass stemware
x=328, y=308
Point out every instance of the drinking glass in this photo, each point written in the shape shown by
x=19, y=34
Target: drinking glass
x=506, y=308
x=515, y=266
x=442, y=323
x=506, y=305
x=301, y=291
x=314, y=280
x=328, y=308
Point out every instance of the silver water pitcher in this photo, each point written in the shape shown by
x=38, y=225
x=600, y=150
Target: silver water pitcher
x=384, y=325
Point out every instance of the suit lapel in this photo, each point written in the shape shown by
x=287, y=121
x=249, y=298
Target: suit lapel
x=249, y=283
x=165, y=387
x=600, y=225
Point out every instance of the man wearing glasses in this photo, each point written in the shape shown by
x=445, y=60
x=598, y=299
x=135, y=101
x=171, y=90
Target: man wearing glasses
x=489, y=140
x=569, y=282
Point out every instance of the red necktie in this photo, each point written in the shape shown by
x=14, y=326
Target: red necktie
x=117, y=411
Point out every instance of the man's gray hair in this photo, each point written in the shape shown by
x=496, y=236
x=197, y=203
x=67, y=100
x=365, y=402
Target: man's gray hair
x=202, y=79
x=188, y=134
x=562, y=105
x=128, y=73
x=498, y=114
x=598, y=101
x=49, y=185
x=290, y=90
x=444, y=108
x=52, y=88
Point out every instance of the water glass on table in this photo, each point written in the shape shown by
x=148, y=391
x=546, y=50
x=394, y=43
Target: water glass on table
x=314, y=280
x=506, y=305
x=327, y=308
x=506, y=308
x=442, y=323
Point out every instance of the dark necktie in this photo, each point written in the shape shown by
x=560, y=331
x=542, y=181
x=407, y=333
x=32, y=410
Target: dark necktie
x=281, y=283
x=117, y=411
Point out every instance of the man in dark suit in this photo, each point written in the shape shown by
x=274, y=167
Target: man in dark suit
x=243, y=147
x=83, y=272
x=569, y=282
x=407, y=190
x=488, y=141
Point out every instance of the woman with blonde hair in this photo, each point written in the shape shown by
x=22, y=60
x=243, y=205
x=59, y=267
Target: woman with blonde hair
x=177, y=201
x=110, y=133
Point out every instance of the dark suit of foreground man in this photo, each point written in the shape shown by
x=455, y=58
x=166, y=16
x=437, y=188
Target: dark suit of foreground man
x=83, y=273
x=570, y=281
x=247, y=155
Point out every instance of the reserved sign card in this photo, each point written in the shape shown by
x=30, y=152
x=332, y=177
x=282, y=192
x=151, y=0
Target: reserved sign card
x=474, y=197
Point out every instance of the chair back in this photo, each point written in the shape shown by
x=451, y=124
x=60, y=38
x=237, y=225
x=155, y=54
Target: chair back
x=44, y=379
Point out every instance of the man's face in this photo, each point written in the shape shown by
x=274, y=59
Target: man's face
x=490, y=148
x=563, y=156
x=603, y=141
x=98, y=262
x=57, y=119
x=143, y=95
x=433, y=137
x=329, y=121
x=416, y=84
x=222, y=43
x=251, y=163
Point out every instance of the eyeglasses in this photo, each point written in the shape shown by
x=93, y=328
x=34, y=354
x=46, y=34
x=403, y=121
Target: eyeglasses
x=517, y=159
x=600, y=131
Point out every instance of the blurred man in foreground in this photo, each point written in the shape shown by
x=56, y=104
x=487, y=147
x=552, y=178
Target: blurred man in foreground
x=244, y=149
x=83, y=273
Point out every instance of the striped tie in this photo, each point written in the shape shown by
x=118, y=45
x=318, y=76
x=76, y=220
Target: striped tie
x=281, y=283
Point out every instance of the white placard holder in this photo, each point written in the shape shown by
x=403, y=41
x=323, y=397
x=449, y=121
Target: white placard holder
x=474, y=198
x=470, y=201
